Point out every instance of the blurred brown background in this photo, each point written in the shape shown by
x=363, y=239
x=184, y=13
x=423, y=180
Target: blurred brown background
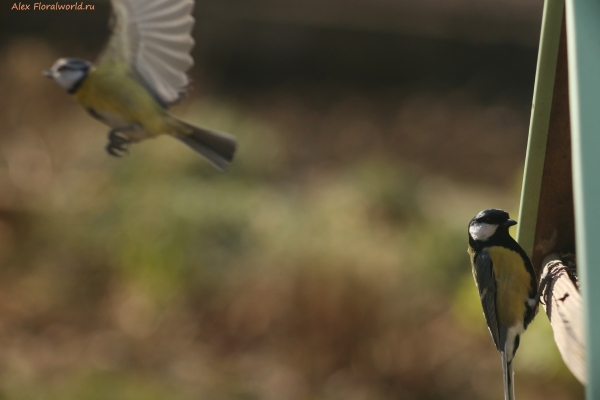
x=329, y=263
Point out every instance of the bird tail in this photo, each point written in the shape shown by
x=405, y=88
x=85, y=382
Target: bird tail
x=507, y=377
x=216, y=147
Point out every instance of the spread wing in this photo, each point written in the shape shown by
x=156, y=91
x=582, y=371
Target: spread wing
x=486, y=284
x=152, y=39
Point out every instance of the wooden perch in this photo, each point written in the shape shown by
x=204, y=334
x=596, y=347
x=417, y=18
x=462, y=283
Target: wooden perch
x=564, y=308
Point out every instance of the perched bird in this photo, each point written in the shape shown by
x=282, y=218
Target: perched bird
x=142, y=71
x=506, y=282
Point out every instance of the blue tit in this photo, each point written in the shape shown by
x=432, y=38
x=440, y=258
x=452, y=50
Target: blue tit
x=506, y=282
x=140, y=73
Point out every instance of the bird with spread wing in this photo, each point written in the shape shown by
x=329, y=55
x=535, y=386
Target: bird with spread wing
x=140, y=73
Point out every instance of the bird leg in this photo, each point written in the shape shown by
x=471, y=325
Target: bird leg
x=554, y=267
x=118, y=144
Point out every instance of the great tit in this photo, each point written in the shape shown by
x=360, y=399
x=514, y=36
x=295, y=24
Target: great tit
x=142, y=71
x=506, y=282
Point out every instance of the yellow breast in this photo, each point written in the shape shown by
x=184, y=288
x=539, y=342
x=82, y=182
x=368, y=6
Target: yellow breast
x=115, y=93
x=512, y=284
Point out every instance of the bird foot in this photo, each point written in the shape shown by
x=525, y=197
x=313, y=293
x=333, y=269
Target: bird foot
x=118, y=145
x=554, y=267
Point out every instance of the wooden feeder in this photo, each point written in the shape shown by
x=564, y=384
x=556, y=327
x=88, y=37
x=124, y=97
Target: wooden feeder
x=560, y=200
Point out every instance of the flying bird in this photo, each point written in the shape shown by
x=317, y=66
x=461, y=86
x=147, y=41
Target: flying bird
x=140, y=73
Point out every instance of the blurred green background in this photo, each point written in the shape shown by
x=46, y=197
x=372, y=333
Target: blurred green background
x=329, y=263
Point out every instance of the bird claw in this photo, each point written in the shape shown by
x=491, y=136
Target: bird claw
x=554, y=267
x=117, y=145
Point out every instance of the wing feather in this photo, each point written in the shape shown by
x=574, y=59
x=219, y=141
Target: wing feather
x=152, y=38
x=486, y=284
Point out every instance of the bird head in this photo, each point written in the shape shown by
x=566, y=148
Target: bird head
x=488, y=222
x=68, y=72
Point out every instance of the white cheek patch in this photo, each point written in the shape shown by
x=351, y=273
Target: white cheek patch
x=482, y=231
x=67, y=79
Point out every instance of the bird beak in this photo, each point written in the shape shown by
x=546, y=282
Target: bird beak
x=510, y=222
x=47, y=73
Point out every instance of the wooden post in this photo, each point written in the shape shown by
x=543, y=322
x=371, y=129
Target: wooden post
x=543, y=94
x=564, y=308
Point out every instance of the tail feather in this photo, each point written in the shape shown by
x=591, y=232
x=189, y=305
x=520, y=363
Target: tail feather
x=507, y=377
x=216, y=147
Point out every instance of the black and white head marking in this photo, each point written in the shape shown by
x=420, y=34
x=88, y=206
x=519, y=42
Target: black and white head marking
x=69, y=73
x=485, y=224
x=482, y=231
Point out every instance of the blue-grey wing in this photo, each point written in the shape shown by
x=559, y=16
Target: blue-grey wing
x=486, y=284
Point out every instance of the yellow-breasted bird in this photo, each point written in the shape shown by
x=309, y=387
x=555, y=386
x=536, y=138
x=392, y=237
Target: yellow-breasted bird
x=506, y=282
x=142, y=71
